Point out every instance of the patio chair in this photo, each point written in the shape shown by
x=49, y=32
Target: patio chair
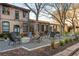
x=37, y=38
x=14, y=38
x=58, y=36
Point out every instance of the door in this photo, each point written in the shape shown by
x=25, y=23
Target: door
x=17, y=29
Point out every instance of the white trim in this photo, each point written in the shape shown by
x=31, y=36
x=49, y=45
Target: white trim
x=10, y=49
x=35, y=48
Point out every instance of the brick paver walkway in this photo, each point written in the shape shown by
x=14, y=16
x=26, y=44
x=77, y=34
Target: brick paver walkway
x=69, y=51
x=76, y=53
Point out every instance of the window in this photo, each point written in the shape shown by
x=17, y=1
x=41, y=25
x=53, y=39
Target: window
x=42, y=27
x=32, y=28
x=17, y=29
x=25, y=27
x=5, y=10
x=5, y=26
x=46, y=27
x=16, y=14
x=38, y=27
x=55, y=28
x=24, y=13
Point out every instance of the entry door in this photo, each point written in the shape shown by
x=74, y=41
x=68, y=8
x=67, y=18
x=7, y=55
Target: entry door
x=17, y=29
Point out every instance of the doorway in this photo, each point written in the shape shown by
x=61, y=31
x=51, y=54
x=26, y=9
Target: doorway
x=17, y=29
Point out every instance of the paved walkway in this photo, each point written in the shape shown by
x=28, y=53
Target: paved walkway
x=29, y=46
x=76, y=53
x=69, y=51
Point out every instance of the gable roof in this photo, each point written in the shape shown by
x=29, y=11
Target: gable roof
x=17, y=7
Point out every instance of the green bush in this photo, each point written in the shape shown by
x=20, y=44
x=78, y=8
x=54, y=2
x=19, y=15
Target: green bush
x=1, y=35
x=61, y=43
x=75, y=39
x=70, y=40
x=4, y=35
x=66, y=33
x=66, y=40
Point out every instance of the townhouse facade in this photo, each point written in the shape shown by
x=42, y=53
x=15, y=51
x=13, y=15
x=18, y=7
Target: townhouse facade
x=42, y=26
x=16, y=19
x=13, y=18
x=57, y=28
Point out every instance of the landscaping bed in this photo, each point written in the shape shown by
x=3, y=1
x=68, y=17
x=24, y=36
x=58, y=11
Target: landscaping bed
x=45, y=51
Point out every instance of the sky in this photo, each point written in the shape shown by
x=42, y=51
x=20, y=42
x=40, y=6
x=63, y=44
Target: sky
x=32, y=16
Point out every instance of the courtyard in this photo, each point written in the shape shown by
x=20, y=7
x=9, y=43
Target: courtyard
x=42, y=48
x=22, y=35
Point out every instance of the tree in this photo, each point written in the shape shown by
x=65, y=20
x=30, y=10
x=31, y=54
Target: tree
x=72, y=17
x=36, y=8
x=58, y=11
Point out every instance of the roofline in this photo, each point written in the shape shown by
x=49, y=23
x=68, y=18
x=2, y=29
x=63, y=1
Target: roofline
x=15, y=6
x=40, y=21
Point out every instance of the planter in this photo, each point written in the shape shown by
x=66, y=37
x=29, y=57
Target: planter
x=55, y=45
x=25, y=39
x=58, y=48
x=2, y=39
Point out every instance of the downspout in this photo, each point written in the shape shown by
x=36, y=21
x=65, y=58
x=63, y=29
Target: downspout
x=0, y=16
x=28, y=22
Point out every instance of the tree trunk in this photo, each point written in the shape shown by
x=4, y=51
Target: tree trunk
x=74, y=32
x=62, y=29
x=36, y=26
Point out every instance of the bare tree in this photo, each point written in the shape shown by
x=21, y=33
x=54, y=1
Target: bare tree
x=58, y=11
x=72, y=17
x=36, y=8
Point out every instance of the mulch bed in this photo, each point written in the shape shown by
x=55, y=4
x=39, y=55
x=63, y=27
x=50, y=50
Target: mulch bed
x=45, y=51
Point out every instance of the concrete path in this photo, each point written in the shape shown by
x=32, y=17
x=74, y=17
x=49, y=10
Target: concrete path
x=29, y=46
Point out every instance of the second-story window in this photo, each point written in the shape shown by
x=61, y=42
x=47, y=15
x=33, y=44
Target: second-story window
x=16, y=14
x=24, y=13
x=5, y=10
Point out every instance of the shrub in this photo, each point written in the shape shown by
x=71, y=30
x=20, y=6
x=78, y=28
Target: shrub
x=1, y=35
x=4, y=35
x=66, y=33
x=70, y=40
x=61, y=43
x=75, y=39
x=66, y=40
